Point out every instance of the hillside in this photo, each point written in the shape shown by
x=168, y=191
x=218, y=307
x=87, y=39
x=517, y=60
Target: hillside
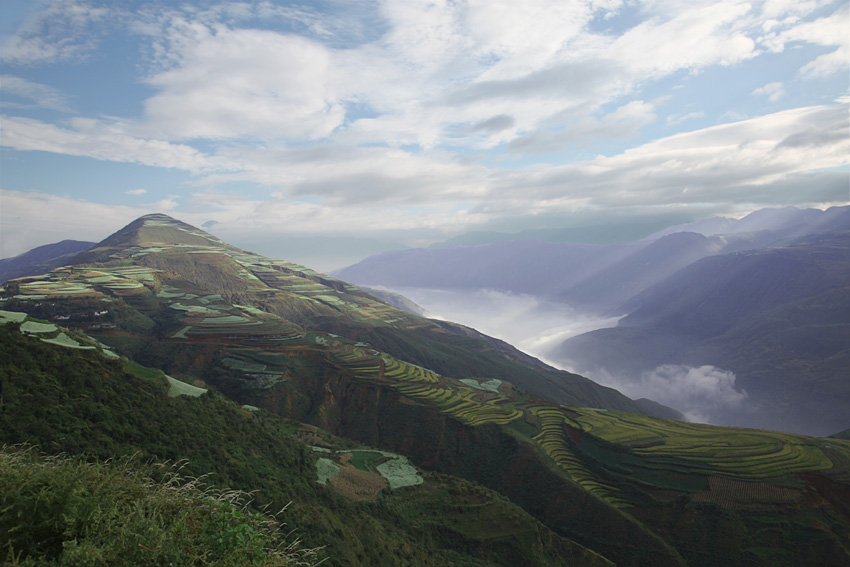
x=635, y=489
x=594, y=279
x=778, y=318
x=86, y=402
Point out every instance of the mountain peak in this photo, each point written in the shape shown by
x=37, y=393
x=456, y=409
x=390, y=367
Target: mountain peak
x=152, y=230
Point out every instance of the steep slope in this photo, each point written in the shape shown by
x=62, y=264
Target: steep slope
x=86, y=402
x=635, y=489
x=777, y=318
x=198, y=286
x=606, y=290
x=639, y=490
x=42, y=259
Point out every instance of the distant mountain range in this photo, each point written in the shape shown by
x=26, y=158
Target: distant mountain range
x=374, y=389
x=698, y=274
x=42, y=259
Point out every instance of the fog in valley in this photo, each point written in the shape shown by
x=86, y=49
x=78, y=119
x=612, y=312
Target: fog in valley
x=530, y=324
x=704, y=394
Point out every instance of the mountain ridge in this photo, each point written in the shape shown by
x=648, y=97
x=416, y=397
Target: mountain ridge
x=636, y=489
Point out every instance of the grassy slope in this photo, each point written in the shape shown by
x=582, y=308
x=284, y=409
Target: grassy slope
x=661, y=473
x=80, y=402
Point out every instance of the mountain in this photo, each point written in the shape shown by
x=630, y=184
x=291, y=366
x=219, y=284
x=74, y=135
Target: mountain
x=587, y=462
x=396, y=300
x=594, y=279
x=778, y=318
x=42, y=259
x=789, y=222
x=84, y=400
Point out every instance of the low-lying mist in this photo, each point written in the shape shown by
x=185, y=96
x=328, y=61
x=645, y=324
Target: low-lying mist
x=704, y=394
x=525, y=321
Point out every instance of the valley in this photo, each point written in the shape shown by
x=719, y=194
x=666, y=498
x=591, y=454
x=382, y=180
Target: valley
x=284, y=342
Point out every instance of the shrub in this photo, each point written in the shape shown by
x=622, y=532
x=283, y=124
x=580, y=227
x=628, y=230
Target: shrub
x=60, y=511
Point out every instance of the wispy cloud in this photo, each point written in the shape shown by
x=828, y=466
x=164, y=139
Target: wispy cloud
x=773, y=91
x=37, y=95
x=439, y=117
x=62, y=31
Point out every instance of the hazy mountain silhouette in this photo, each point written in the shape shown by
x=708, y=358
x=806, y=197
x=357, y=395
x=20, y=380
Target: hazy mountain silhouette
x=41, y=259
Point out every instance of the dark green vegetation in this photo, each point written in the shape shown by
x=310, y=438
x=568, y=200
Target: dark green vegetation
x=58, y=511
x=635, y=489
x=83, y=403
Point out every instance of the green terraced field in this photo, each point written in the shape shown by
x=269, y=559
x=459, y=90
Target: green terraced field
x=603, y=451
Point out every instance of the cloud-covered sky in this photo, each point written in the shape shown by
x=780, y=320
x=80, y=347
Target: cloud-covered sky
x=335, y=128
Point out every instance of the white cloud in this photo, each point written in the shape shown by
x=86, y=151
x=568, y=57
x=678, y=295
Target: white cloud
x=710, y=165
x=92, y=138
x=35, y=219
x=676, y=119
x=62, y=31
x=692, y=37
x=829, y=31
x=229, y=84
x=773, y=91
x=522, y=320
x=704, y=394
x=42, y=96
x=136, y=192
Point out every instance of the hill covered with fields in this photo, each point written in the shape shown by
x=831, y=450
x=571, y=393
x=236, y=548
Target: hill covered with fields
x=735, y=322
x=391, y=410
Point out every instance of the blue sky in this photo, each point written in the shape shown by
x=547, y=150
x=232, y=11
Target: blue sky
x=323, y=131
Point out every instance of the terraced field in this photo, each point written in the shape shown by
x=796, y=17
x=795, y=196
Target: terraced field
x=654, y=453
x=611, y=454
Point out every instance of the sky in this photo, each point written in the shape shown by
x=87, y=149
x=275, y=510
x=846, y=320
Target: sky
x=321, y=132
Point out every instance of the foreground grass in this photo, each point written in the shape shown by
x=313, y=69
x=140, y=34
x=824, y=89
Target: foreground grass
x=62, y=511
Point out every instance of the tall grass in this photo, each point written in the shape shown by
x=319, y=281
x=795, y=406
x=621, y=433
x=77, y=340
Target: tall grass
x=60, y=511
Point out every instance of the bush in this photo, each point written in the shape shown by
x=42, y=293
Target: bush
x=60, y=511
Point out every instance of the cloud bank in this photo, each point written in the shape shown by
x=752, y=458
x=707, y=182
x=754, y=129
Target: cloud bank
x=434, y=118
x=704, y=394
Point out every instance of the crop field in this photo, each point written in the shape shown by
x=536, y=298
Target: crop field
x=744, y=453
x=732, y=494
x=178, y=388
x=64, y=340
x=603, y=451
x=33, y=327
x=361, y=473
x=749, y=467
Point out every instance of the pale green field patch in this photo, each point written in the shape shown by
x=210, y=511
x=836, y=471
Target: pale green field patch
x=64, y=340
x=488, y=386
x=326, y=469
x=12, y=316
x=178, y=388
x=191, y=308
x=181, y=334
x=33, y=327
x=399, y=472
x=226, y=319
